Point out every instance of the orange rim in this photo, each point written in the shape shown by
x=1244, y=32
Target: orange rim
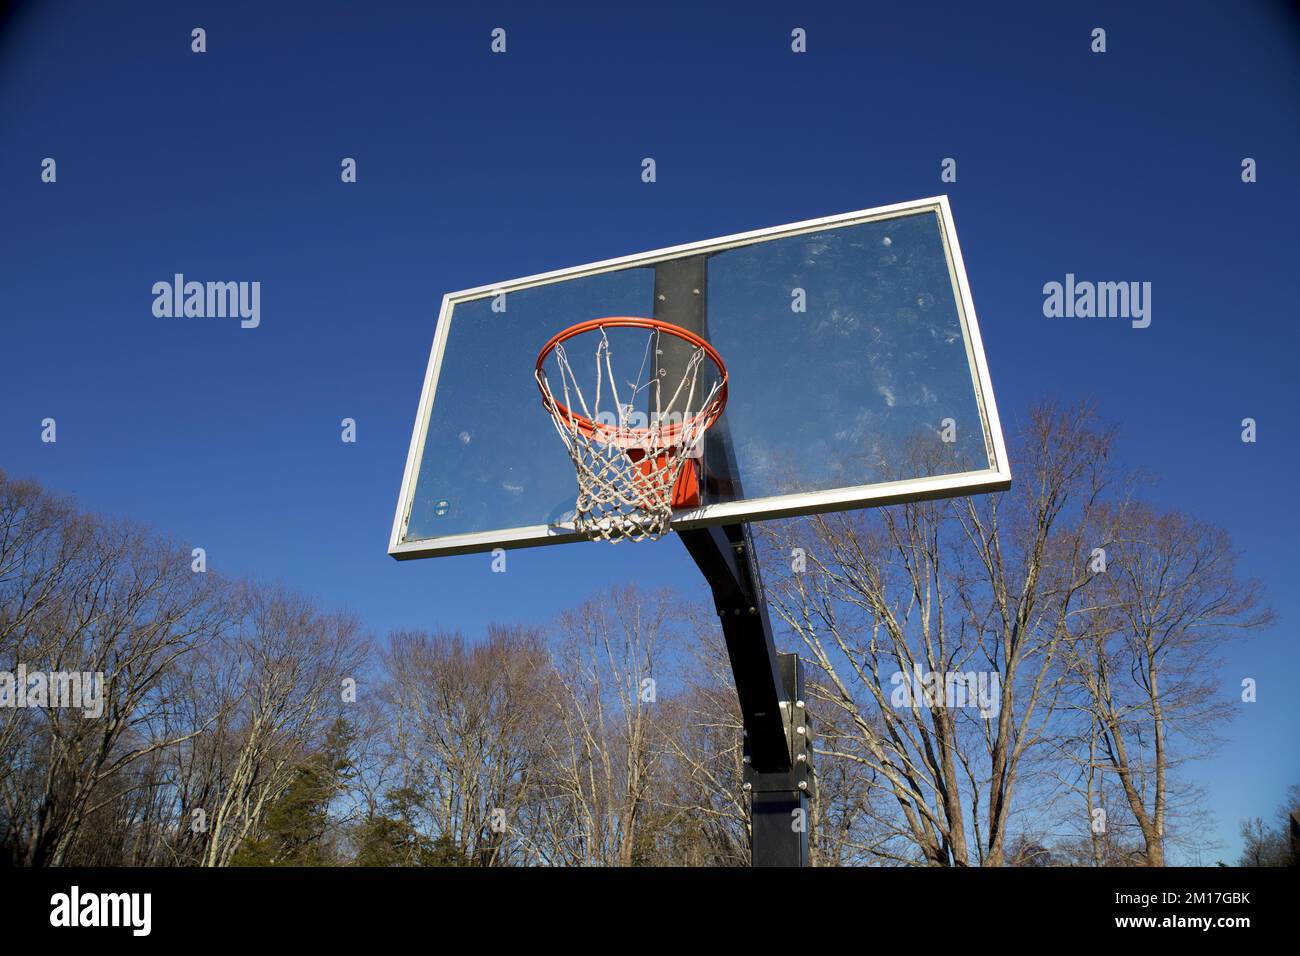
x=668, y=436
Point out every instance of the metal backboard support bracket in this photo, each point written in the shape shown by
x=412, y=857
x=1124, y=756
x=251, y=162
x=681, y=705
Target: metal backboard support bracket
x=770, y=686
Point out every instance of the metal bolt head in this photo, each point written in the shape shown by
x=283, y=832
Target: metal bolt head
x=799, y=730
x=802, y=758
x=799, y=704
x=748, y=787
x=803, y=784
x=747, y=759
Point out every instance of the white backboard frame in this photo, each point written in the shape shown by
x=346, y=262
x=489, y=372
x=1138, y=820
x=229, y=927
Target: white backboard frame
x=996, y=478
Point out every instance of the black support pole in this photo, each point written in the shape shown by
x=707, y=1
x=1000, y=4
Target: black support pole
x=769, y=686
x=779, y=800
x=723, y=556
x=778, y=733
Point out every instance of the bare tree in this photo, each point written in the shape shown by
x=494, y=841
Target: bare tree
x=1148, y=665
x=603, y=761
x=123, y=605
x=291, y=662
x=469, y=723
x=936, y=630
x=1274, y=846
x=701, y=733
x=1008, y=679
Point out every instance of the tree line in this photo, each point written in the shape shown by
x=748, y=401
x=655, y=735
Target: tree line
x=1008, y=679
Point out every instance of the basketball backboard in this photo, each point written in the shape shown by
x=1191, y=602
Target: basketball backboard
x=856, y=377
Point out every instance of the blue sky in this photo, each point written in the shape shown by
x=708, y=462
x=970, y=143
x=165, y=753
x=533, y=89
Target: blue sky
x=476, y=168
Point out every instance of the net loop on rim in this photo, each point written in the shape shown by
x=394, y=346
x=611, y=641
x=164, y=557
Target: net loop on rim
x=634, y=447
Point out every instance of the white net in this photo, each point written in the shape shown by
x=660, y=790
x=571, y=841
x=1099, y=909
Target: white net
x=630, y=442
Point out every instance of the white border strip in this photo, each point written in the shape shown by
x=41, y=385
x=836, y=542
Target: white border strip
x=995, y=479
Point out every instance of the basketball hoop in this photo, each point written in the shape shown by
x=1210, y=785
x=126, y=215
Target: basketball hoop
x=632, y=476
